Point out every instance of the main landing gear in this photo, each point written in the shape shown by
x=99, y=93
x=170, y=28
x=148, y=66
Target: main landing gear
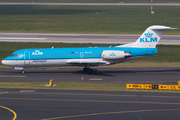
x=88, y=70
x=22, y=71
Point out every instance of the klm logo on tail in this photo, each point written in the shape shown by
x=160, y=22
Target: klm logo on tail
x=148, y=38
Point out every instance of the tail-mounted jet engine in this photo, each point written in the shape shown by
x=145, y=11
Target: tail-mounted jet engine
x=114, y=54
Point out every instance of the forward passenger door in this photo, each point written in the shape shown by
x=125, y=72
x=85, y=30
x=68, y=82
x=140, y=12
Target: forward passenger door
x=26, y=57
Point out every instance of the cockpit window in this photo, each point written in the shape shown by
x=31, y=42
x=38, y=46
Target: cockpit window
x=14, y=55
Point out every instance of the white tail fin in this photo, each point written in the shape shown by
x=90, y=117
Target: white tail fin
x=151, y=36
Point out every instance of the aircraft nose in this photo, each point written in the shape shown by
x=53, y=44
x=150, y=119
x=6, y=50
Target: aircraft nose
x=8, y=62
x=4, y=62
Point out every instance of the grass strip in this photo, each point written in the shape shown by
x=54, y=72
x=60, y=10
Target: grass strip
x=75, y=86
x=87, y=19
x=88, y=1
x=65, y=86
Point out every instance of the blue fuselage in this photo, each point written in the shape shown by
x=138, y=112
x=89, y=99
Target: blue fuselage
x=50, y=57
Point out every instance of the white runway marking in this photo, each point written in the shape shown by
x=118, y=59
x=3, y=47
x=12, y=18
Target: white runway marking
x=82, y=38
x=95, y=79
x=99, y=4
x=12, y=38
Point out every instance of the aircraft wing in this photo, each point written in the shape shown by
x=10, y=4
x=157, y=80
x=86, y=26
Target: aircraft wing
x=84, y=63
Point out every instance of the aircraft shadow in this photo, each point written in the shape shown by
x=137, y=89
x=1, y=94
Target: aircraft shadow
x=100, y=72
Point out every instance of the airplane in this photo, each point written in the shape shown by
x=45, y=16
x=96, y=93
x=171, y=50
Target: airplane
x=87, y=57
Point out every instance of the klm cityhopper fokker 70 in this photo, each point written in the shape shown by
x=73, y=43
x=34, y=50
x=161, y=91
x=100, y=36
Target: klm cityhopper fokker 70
x=87, y=57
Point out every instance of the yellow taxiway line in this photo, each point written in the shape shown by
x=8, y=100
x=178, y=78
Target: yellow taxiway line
x=11, y=76
x=15, y=115
x=107, y=113
x=3, y=92
x=98, y=101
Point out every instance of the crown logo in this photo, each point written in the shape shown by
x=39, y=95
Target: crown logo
x=148, y=34
x=112, y=54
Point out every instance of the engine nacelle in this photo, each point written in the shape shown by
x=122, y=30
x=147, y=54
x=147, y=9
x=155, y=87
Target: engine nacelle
x=114, y=54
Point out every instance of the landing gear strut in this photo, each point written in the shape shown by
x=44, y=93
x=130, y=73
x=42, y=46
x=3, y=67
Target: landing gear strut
x=88, y=70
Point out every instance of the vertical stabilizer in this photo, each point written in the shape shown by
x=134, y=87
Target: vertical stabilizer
x=151, y=36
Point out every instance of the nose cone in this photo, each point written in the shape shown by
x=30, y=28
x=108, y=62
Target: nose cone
x=6, y=62
x=3, y=62
x=9, y=62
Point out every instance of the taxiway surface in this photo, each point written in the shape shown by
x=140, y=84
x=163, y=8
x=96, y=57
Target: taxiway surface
x=108, y=75
x=23, y=104
x=87, y=105
x=82, y=38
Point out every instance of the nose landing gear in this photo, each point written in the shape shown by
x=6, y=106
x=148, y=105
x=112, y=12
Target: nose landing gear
x=20, y=68
x=22, y=71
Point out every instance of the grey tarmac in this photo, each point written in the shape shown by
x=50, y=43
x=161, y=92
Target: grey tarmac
x=26, y=104
x=83, y=38
x=87, y=105
x=107, y=75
